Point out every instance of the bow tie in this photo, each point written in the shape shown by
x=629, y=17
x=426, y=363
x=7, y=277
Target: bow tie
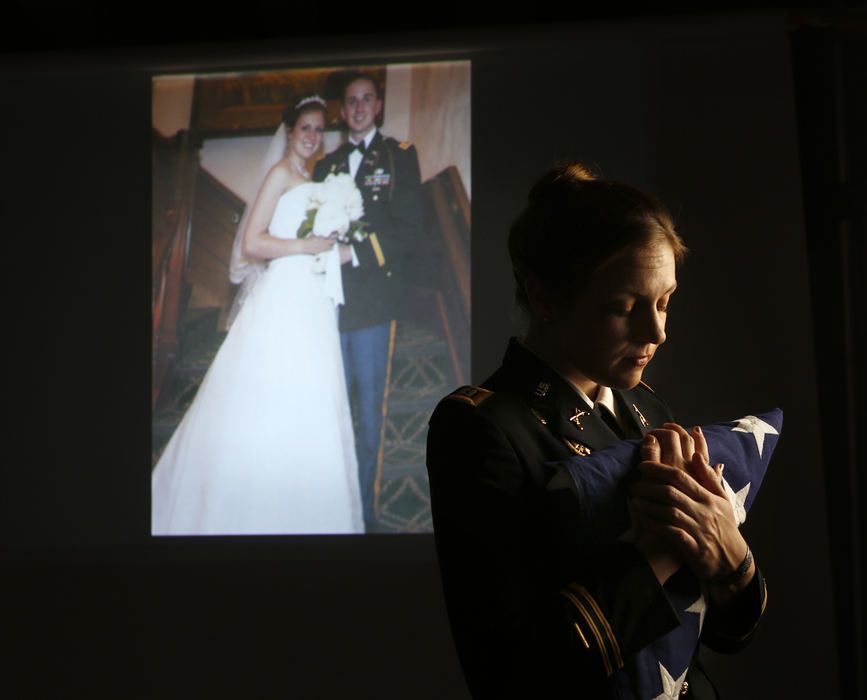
x=358, y=147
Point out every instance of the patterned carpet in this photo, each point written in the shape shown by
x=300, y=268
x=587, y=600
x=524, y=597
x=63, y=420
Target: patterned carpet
x=421, y=374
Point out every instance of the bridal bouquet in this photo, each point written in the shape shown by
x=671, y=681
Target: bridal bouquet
x=334, y=206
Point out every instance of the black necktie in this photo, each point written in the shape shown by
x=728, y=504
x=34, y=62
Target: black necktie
x=358, y=147
x=610, y=420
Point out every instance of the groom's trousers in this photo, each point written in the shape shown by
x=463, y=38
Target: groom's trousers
x=366, y=359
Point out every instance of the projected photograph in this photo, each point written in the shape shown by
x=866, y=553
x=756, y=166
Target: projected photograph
x=311, y=294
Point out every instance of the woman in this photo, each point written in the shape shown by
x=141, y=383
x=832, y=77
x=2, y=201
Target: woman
x=534, y=610
x=266, y=446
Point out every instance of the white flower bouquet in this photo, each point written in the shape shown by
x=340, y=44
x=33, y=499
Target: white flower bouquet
x=334, y=206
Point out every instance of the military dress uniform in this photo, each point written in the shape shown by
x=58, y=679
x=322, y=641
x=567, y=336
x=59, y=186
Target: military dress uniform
x=390, y=184
x=534, y=614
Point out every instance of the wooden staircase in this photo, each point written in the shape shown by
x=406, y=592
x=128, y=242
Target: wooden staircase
x=432, y=351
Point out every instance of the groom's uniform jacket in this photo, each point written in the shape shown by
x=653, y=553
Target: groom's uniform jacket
x=389, y=181
x=532, y=615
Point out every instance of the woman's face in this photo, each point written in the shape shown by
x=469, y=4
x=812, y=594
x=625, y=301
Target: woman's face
x=306, y=135
x=610, y=332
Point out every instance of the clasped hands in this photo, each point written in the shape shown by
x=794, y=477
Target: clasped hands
x=316, y=245
x=683, y=513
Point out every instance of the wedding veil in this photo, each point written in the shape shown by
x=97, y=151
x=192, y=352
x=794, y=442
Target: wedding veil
x=243, y=270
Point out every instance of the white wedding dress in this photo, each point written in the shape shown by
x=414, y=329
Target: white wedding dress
x=267, y=445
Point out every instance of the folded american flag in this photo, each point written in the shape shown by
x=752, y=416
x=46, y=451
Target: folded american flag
x=601, y=481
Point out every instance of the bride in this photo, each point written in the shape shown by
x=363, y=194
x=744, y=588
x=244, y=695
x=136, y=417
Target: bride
x=267, y=445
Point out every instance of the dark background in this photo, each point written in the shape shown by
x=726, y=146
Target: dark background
x=744, y=123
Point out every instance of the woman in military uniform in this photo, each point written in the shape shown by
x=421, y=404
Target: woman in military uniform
x=534, y=612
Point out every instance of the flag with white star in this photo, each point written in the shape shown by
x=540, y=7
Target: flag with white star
x=601, y=482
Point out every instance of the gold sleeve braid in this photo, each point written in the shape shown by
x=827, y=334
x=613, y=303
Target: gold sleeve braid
x=596, y=625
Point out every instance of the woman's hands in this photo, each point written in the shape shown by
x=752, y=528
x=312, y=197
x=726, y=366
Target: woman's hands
x=683, y=509
x=314, y=245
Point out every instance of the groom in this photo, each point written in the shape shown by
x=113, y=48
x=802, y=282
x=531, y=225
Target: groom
x=387, y=174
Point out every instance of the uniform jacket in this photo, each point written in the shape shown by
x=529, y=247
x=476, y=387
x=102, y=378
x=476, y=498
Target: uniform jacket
x=390, y=186
x=532, y=613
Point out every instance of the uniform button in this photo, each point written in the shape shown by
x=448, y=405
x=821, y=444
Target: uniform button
x=388, y=274
x=684, y=688
x=375, y=197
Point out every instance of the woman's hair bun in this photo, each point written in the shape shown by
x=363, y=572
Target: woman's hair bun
x=562, y=178
x=578, y=171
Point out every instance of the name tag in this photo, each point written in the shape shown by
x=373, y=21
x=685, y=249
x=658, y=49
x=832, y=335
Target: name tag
x=377, y=180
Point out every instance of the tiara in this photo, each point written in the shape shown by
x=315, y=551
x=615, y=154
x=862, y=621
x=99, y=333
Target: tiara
x=307, y=100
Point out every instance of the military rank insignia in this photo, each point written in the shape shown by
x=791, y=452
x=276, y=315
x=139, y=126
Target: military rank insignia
x=403, y=145
x=472, y=395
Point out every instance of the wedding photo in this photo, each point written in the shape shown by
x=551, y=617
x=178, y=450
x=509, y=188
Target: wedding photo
x=310, y=294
